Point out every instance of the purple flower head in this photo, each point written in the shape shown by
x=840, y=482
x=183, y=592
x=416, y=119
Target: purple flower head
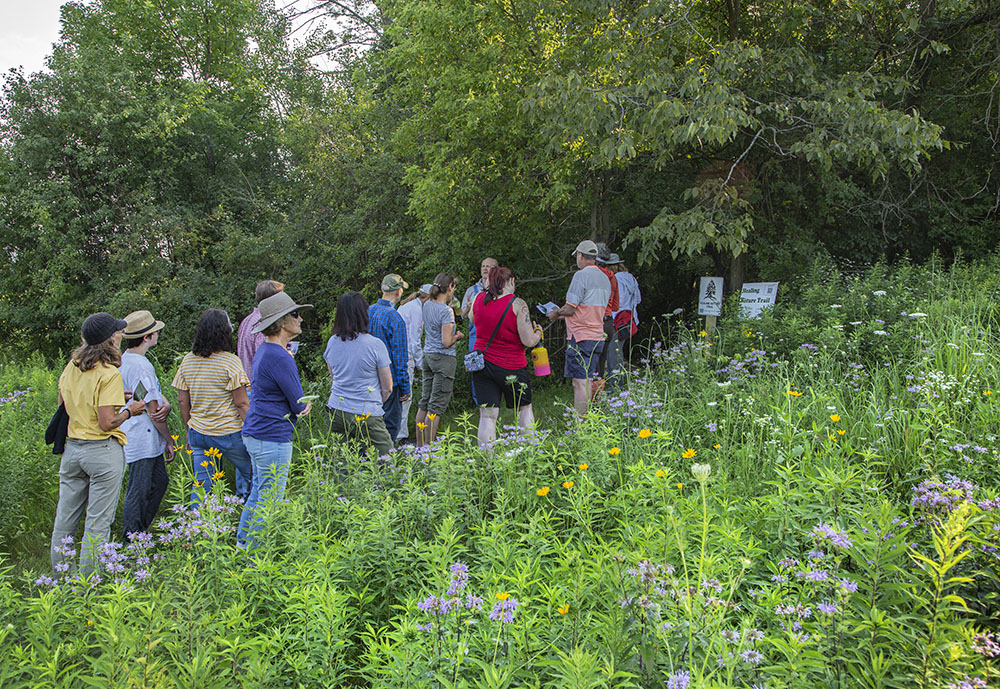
x=847, y=586
x=504, y=610
x=969, y=683
x=751, y=656
x=838, y=539
x=681, y=680
x=827, y=608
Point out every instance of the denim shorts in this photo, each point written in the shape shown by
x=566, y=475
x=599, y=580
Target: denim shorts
x=582, y=358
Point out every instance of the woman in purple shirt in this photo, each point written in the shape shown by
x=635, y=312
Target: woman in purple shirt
x=276, y=401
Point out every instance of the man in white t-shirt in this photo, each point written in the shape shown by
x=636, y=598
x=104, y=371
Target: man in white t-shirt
x=149, y=446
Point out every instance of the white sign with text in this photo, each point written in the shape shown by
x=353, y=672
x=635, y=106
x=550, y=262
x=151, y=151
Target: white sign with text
x=710, y=297
x=756, y=297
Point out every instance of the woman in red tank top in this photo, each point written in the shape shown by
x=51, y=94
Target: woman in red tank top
x=506, y=374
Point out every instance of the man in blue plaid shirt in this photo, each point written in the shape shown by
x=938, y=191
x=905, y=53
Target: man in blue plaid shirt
x=387, y=325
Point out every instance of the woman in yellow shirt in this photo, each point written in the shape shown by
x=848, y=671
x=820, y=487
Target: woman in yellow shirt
x=212, y=396
x=92, y=467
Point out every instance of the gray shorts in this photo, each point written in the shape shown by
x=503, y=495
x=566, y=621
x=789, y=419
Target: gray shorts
x=439, y=382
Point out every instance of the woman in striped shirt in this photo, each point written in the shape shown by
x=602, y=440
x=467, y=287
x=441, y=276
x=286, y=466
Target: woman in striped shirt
x=212, y=395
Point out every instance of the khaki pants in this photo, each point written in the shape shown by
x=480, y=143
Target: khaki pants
x=370, y=431
x=90, y=478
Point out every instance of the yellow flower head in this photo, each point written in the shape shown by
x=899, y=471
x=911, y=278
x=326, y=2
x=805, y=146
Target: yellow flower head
x=198, y=484
x=205, y=463
x=175, y=437
x=584, y=466
x=217, y=475
x=421, y=425
x=431, y=416
x=680, y=486
x=190, y=452
x=563, y=609
x=213, y=452
x=660, y=473
x=558, y=466
x=716, y=446
x=703, y=334
x=794, y=393
x=90, y=623
x=645, y=433
x=835, y=418
x=502, y=596
x=987, y=392
x=841, y=432
x=543, y=491
x=567, y=484
x=689, y=453
x=833, y=437
x=614, y=451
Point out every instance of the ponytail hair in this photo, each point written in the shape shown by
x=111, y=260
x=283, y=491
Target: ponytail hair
x=441, y=284
x=495, y=283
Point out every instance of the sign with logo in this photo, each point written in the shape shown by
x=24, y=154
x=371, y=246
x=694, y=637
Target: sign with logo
x=710, y=297
x=756, y=297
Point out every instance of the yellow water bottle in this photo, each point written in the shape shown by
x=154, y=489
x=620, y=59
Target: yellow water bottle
x=540, y=358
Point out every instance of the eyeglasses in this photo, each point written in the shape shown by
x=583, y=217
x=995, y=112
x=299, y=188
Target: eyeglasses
x=294, y=314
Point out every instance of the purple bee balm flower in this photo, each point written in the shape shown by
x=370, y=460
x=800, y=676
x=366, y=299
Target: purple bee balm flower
x=847, y=585
x=751, y=656
x=827, y=608
x=681, y=680
x=504, y=610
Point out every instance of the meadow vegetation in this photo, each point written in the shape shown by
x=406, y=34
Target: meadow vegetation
x=807, y=499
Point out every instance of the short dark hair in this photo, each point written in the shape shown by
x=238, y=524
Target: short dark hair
x=275, y=327
x=267, y=288
x=351, y=318
x=441, y=284
x=213, y=333
x=130, y=342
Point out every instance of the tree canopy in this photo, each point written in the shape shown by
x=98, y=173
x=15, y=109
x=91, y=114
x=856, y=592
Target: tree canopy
x=175, y=153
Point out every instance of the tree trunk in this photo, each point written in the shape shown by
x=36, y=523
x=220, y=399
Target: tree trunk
x=737, y=271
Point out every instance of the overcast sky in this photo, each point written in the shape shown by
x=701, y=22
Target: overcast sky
x=28, y=28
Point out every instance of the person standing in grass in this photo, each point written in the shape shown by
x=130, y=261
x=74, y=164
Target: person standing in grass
x=212, y=395
x=385, y=323
x=276, y=402
x=93, y=463
x=362, y=380
x=440, y=336
x=475, y=289
x=247, y=342
x=505, y=329
x=150, y=447
x=586, y=302
x=629, y=298
x=411, y=311
x=610, y=360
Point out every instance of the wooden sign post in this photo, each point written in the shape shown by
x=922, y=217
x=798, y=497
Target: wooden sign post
x=710, y=301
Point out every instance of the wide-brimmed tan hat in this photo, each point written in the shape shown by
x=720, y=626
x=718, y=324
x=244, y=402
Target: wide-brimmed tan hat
x=140, y=324
x=274, y=307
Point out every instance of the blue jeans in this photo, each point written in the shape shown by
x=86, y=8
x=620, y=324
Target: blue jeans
x=232, y=448
x=271, y=463
x=393, y=413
